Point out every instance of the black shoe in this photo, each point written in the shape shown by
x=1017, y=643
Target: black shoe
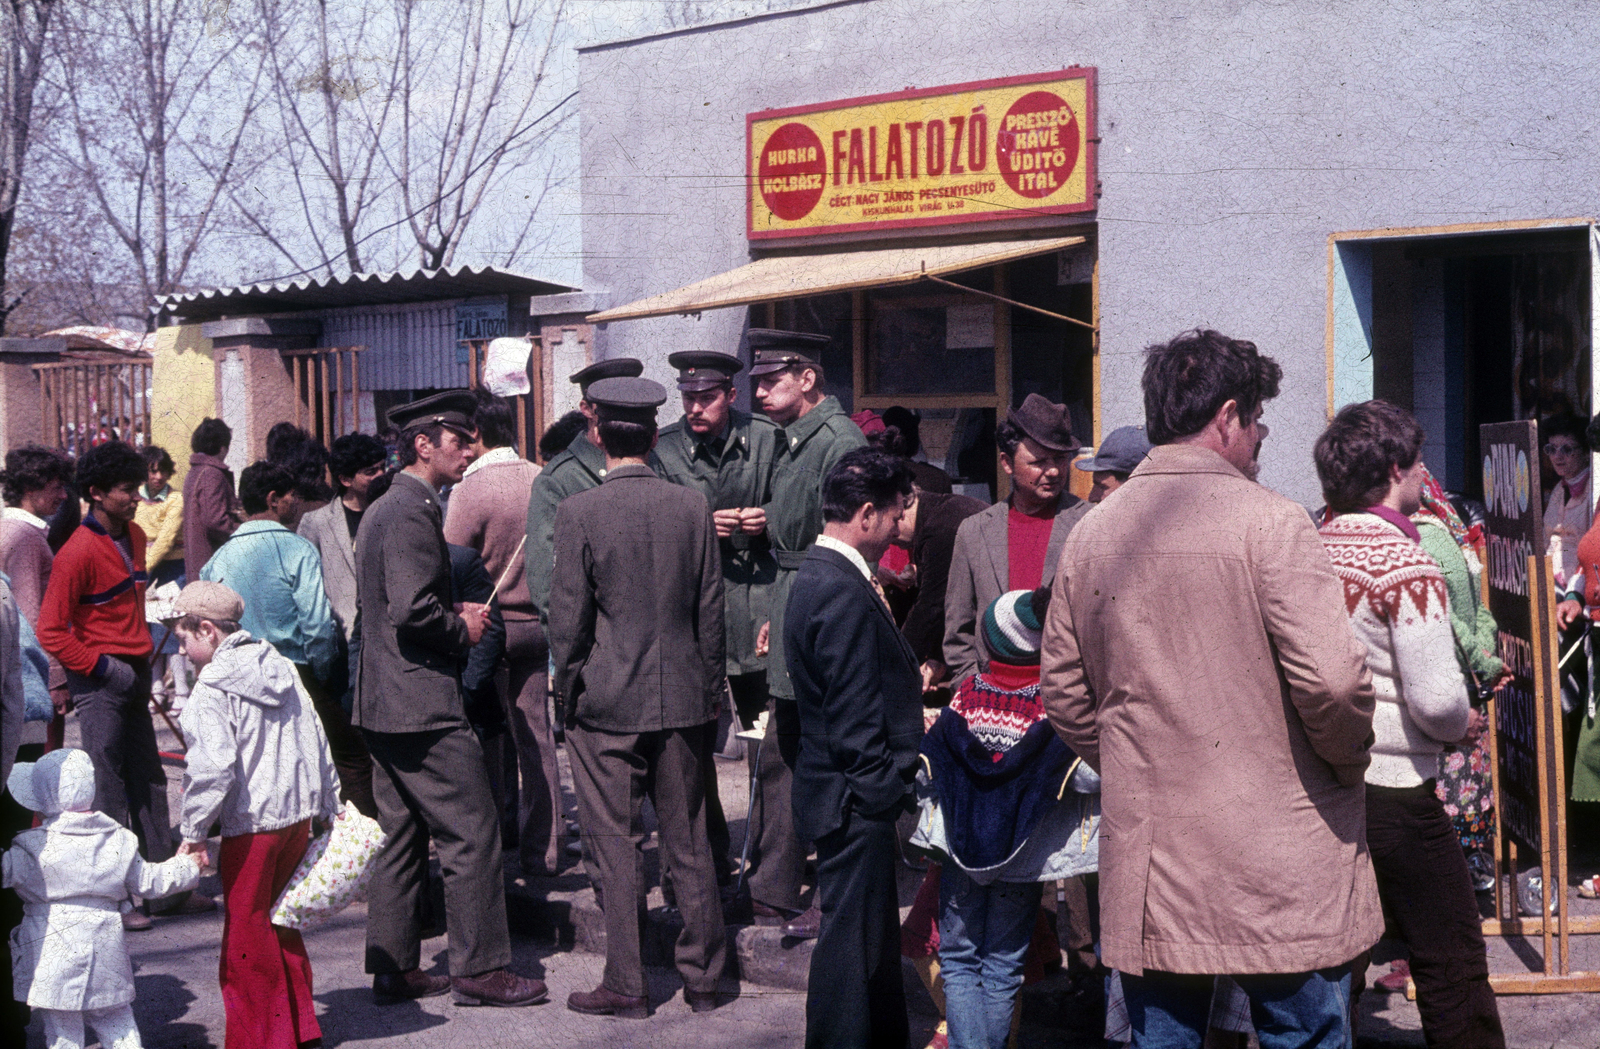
x=180, y=906
x=409, y=986
x=702, y=1001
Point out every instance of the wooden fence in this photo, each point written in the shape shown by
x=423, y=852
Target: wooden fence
x=327, y=390
x=84, y=403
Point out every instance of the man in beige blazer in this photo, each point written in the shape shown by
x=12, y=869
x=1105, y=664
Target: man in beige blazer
x=1036, y=448
x=1197, y=654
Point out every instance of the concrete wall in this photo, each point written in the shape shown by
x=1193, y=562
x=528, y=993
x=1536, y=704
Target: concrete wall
x=21, y=410
x=184, y=391
x=1235, y=138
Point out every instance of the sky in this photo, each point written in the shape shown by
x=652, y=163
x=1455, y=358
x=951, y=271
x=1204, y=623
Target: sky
x=594, y=22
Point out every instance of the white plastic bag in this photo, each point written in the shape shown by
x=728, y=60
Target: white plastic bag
x=333, y=873
x=505, y=366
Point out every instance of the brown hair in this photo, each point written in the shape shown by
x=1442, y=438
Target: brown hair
x=1357, y=449
x=190, y=624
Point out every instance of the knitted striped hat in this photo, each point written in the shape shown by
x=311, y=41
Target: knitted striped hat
x=1013, y=625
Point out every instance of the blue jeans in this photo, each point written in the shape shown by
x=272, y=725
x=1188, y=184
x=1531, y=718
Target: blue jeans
x=1289, y=1010
x=984, y=931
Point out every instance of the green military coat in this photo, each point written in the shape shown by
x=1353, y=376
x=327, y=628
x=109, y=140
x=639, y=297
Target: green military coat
x=581, y=467
x=732, y=471
x=808, y=448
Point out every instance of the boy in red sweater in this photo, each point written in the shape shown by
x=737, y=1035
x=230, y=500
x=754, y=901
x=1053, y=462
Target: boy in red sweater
x=92, y=621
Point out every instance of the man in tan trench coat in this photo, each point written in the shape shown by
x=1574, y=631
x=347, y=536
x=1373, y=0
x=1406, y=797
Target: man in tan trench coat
x=1202, y=662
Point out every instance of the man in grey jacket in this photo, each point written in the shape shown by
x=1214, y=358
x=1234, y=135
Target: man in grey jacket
x=428, y=777
x=1013, y=545
x=356, y=462
x=636, y=633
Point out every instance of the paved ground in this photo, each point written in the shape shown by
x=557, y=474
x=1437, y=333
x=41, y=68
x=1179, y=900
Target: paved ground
x=179, y=1006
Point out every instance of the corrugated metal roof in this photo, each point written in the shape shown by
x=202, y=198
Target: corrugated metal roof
x=356, y=289
x=410, y=347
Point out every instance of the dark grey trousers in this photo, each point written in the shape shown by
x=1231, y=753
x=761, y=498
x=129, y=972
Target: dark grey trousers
x=855, y=996
x=130, y=785
x=433, y=784
x=542, y=830
x=609, y=775
x=778, y=857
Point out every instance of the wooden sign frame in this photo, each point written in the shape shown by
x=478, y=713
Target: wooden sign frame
x=1555, y=930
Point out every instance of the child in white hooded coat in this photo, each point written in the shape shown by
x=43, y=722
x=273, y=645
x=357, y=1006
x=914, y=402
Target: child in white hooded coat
x=76, y=874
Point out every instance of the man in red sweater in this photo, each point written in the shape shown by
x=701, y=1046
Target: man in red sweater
x=92, y=621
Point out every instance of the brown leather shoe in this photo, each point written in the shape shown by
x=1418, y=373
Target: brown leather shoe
x=500, y=987
x=605, y=1002
x=409, y=985
x=136, y=921
x=767, y=914
x=806, y=926
x=702, y=1001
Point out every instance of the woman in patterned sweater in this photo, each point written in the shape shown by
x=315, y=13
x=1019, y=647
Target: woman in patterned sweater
x=1370, y=465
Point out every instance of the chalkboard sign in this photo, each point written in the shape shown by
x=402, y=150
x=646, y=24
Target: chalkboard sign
x=1515, y=530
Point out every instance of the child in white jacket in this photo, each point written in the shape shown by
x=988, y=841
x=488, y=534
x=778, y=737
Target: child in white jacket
x=76, y=874
x=258, y=761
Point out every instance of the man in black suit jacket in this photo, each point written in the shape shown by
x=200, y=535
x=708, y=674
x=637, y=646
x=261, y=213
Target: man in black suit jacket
x=859, y=694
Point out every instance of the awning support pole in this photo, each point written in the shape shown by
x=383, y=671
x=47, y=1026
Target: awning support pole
x=1008, y=302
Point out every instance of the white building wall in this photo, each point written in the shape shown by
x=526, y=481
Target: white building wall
x=1235, y=137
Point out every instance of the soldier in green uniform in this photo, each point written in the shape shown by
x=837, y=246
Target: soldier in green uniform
x=726, y=455
x=814, y=432
x=581, y=467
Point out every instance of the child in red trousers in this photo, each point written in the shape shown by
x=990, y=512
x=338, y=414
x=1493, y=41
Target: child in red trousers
x=259, y=761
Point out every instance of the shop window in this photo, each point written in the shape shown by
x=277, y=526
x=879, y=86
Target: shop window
x=929, y=345
x=959, y=360
x=829, y=315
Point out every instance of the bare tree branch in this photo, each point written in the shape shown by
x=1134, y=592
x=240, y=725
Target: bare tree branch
x=27, y=25
x=456, y=145
x=161, y=99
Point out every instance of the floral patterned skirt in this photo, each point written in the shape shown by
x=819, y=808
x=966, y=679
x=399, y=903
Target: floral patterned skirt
x=1467, y=791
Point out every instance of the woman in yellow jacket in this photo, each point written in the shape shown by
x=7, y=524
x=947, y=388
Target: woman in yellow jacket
x=160, y=516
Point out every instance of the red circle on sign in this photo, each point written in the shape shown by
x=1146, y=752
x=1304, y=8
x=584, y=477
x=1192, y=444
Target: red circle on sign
x=792, y=171
x=1038, y=144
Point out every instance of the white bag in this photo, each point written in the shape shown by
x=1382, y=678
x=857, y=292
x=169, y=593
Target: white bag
x=333, y=873
x=505, y=366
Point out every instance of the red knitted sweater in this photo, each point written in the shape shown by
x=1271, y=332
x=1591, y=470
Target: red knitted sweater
x=94, y=607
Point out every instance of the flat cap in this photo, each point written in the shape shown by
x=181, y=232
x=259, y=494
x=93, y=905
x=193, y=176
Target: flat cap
x=615, y=368
x=1123, y=449
x=1045, y=422
x=208, y=601
x=773, y=351
x=453, y=408
x=704, y=369
x=627, y=399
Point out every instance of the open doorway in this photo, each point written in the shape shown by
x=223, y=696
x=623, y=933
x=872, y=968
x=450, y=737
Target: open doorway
x=1463, y=328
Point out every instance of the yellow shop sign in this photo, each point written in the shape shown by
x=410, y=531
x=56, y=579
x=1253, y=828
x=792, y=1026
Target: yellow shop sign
x=987, y=150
